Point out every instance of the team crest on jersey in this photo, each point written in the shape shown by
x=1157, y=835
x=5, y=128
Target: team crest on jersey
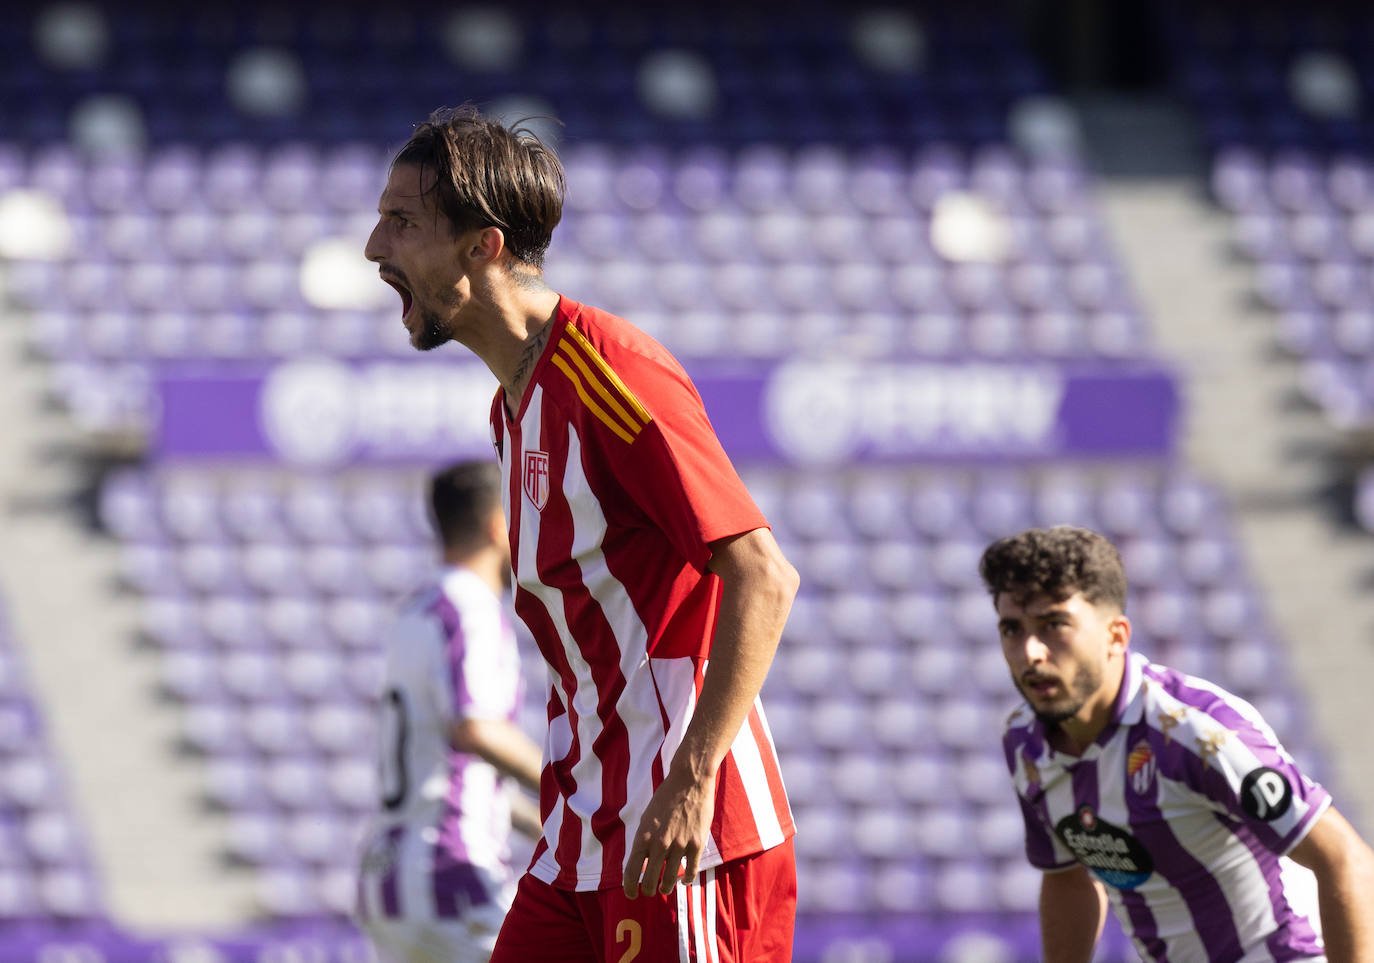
x=536, y=476
x=1140, y=767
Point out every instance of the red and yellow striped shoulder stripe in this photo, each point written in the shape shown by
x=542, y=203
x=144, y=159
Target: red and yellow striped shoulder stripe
x=599, y=387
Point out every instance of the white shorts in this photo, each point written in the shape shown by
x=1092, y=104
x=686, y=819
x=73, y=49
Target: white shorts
x=403, y=935
x=469, y=940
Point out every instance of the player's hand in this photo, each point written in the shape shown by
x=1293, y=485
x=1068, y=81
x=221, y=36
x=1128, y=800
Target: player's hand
x=675, y=827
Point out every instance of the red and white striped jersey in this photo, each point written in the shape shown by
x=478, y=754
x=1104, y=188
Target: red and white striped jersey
x=615, y=486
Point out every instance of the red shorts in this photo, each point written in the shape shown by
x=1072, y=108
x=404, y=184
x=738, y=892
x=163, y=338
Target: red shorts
x=740, y=912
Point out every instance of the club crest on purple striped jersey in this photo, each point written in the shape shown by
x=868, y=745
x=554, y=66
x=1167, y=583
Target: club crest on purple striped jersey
x=536, y=478
x=1114, y=855
x=1140, y=768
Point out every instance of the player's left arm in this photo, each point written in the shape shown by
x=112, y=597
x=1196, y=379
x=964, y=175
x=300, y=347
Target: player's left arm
x=1344, y=866
x=757, y=588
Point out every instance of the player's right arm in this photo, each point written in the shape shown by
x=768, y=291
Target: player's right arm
x=501, y=743
x=1344, y=866
x=1073, y=907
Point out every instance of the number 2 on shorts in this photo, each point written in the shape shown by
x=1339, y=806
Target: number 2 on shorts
x=631, y=929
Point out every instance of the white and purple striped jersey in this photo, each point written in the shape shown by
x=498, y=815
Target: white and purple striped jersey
x=443, y=814
x=1184, y=806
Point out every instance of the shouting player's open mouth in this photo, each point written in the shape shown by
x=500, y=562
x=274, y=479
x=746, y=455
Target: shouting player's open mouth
x=407, y=299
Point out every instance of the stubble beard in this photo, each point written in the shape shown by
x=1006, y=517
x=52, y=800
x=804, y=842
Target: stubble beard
x=432, y=331
x=1086, y=681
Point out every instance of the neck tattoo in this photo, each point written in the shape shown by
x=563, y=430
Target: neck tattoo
x=533, y=348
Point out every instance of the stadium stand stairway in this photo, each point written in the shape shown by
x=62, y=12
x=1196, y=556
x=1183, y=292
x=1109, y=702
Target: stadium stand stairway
x=1242, y=430
x=152, y=846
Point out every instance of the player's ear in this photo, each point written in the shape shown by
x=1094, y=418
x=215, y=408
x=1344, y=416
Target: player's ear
x=496, y=527
x=1120, y=629
x=487, y=245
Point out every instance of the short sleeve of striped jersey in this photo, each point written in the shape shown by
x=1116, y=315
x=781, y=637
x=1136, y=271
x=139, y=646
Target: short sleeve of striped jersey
x=482, y=668
x=1043, y=848
x=678, y=473
x=1243, y=770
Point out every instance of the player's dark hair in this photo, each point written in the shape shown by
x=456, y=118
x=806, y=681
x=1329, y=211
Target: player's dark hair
x=489, y=174
x=1055, y=562
x=462, y=498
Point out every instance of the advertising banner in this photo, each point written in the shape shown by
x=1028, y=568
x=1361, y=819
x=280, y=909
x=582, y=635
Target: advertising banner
x=322, y=413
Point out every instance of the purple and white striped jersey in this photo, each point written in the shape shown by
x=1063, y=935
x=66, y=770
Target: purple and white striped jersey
x=1184, y=806
x=451, y=654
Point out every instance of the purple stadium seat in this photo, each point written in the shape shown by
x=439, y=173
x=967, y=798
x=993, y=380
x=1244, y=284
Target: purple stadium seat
x=898, y=720
x=352, y=783
x=336, y=888
x=365, y=674
x=232, y=177
x=274, y=729
x=943, y=832
x=273, y=568
x=293, y=621
x=233, y=783
x=1018, y=885
x=1001, y=831
x=833, y=563
x=232, y=621
x=938, y=508
x=982, y=778
x=314, y=509
x=212, y=728
x=860, y=777
x=357, y=622
x=28, y=781
x=1208, y=561
x=52, y=839
x=954, y=561
x=254, y=837
x=288, y=892
x=190, y=675
x=297, y=783
x=18, y=894
x=338, y=729
x=837, y=886
x=208, y=567
x=68, y=893
x=838, y=720
x=898, y=886
x=312, y=674
x=963, y=721
x=882, y=831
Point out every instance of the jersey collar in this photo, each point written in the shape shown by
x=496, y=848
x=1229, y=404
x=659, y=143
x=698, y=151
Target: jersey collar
x=1127, y=709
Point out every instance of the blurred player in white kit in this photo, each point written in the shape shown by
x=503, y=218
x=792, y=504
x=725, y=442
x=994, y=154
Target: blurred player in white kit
x=435, y=880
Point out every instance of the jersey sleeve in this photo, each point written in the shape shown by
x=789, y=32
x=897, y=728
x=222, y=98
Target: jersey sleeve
x=1243, y=771
x=679, y=475
x=481, y=675
x=1043, y=848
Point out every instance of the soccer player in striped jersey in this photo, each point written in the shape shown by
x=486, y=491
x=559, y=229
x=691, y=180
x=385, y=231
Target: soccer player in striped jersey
x=1161, y=788
x=647, y=576
x=436, y=881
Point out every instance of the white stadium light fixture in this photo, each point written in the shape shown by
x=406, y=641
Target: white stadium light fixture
x=968, y=227
x=266, y=82
x=72, y=36
x=33, y=226
x=334, y=275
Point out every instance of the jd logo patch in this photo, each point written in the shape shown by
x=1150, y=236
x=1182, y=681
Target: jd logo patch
x=1265, y=794
x=536, y=478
